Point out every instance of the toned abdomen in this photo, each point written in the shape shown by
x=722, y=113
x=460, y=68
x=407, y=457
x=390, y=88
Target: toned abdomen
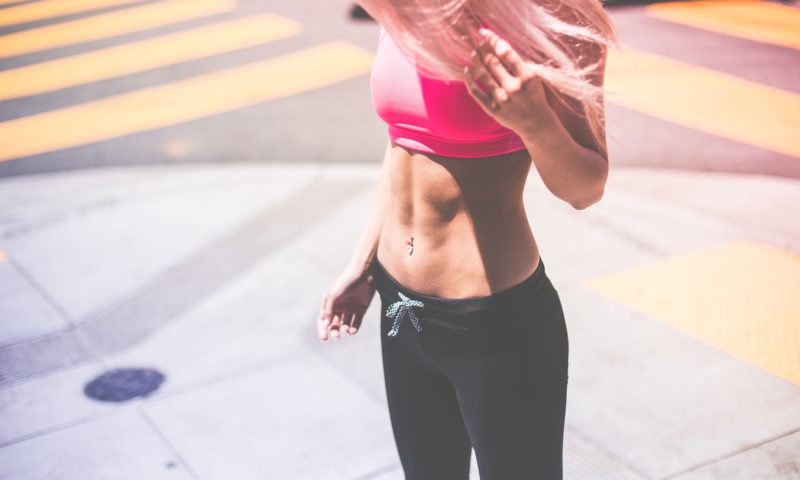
x=467, y=217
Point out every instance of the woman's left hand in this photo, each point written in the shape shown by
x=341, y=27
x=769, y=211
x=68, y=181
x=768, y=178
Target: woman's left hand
x=516, y=97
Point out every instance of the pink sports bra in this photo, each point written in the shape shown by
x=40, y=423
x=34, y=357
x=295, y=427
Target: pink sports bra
x=431, y=115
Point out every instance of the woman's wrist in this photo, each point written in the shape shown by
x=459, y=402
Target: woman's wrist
x=359, y=265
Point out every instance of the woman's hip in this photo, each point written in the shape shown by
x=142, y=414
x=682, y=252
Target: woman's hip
x=522, y=309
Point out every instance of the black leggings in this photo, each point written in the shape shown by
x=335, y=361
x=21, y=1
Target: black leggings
x=488, y=373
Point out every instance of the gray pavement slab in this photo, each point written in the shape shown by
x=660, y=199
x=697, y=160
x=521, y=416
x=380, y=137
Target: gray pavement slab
x=330, y=240
x=122, y=446
x=43, y=405
x=122, y=237
x=297, y=419
x=24, y=311
x=187, y=280
x=584, y=459
x=764, y=207
x=256, y=320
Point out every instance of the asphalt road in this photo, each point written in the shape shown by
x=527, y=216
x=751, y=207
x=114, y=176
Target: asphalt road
x=714, y=87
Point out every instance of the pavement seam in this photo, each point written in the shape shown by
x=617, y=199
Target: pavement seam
x=609, y=455
x=223, y=377
x=325, y=360
x=135, y=191
x=167, y=442
x=156, y=397
x=42, y=292
x=65, y=425
x=378, y=471
x=729, y=455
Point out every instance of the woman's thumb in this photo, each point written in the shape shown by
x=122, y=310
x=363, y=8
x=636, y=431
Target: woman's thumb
x=328, y=305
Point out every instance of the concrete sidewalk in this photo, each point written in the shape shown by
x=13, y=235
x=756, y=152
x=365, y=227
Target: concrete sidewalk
x=213, y=274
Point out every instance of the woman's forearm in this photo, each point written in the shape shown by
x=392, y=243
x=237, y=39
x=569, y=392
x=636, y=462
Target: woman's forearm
x=570, y=171
x=367, y=244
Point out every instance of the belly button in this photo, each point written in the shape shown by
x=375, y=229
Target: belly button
x=410, y=246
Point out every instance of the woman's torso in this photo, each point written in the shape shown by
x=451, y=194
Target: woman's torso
x=471, y=233
x=464, y=209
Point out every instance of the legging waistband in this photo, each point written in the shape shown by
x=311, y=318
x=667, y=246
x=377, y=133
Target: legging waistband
x=462, y=309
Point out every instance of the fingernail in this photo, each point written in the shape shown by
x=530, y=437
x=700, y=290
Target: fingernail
x=483, y=31
x=466, y=69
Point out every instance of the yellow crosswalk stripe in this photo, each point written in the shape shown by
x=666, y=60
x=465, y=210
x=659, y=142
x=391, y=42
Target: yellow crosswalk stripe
x=705, y=100
x=109, y=24
x=44, y=9
x=761, y=21
x=184, y=100
x=145, y=54
x=739, y=296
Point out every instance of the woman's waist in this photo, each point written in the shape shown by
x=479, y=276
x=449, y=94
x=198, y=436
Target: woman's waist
x=458, y=260
x=463, y=312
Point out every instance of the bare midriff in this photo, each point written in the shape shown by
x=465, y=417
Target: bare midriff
x=471, y=235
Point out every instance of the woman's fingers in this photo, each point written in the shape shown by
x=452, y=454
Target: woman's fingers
x=322, y=331
x=328, y=306
x=322, y=320
x=343, y=322
x=496, y=91
x=514, y=64
x=501, y=75
x=357, y=319
x=495, y=94
x=507, y=82
x=336, y=323
x=477, y=92
x=348, y=324
x=485, y=99
x=345, y=318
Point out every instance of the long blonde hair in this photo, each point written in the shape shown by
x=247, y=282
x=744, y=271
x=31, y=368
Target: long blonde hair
x=566, y=42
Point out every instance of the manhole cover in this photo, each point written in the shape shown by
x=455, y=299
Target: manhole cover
x=123, y=384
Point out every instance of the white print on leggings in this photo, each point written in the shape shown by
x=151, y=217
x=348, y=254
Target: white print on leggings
x=401, y=308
